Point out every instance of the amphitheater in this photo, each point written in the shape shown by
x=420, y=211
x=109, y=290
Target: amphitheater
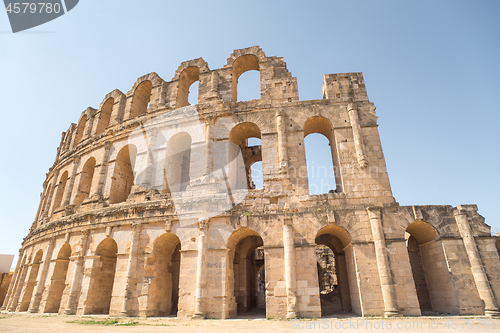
x=150, y=210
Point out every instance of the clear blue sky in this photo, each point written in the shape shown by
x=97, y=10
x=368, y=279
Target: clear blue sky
x=431, y=67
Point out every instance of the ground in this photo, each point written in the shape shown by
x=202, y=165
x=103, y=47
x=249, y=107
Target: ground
x=54, y=323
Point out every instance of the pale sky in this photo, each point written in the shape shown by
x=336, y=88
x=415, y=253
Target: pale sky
x=431, y=68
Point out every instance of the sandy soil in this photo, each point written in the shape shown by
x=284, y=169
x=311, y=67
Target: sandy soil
x=54, y=323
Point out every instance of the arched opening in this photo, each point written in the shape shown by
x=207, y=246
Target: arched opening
x=321, y=156
x=80, y=129
x=165, y=268
x=58, y=281
x=249, y=86
x=244, y=137
x=103, y=277
x=194, y=93
x=429, y=268
x=61, y=187
x=247, y=273
x=497, y=244
x=255, y=178
x=35, y=266
x=123, y=175
x=178, y=162
x=241, y=65
x=140, y=101
x=188, y=76
x=333, y=262
x=86, y=177
x=105, y=115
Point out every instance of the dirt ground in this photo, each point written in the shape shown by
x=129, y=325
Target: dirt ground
x=55, y=323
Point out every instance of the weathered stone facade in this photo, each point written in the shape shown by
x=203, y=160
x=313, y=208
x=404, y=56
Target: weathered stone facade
x=180, y=239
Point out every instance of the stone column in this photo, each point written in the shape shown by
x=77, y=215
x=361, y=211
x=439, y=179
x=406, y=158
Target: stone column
x=103, y=170
x=214, y=86
x=357, y=136
x=384, y=269
x=77, y=275
x=131, y=269
x=40, y=285
x=46, y=209
x=281, y=129
x=290, y=276
x=200, y=269
x=482, y=284
x=69, y=189
x=207, y=166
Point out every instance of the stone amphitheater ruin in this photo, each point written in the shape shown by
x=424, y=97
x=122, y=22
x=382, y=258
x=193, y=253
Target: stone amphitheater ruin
x=150, y=210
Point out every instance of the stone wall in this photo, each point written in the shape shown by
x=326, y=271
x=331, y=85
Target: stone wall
x=5, y=279
x=149, y=210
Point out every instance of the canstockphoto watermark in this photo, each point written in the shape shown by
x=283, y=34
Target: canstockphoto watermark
x=171, y=154
x=24, y=15
x=207, y=175
x=385, y=325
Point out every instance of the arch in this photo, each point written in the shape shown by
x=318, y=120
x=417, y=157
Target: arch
x=85, y=184
x=80, y=130
x=240, y=176
x=30, y=285
x=246, y=270
x=105, y=116
x=339, y=232
x=58, y=281
x=429, y=268
x=165, y=268
x=497, y=244
x=140, y=101
x=187, y=77
x=323, y=126
x=241, y=65
x=61, y=187
x=337, y=240
x=123, y=175
x=178, y=162
x=243, y=131
x=422, y=231
x=102, y=278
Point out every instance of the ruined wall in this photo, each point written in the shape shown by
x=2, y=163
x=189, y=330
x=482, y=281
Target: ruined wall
x=5, y=279
x=149, y=210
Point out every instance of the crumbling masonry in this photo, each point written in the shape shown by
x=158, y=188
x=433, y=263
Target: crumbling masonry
x=129, y=225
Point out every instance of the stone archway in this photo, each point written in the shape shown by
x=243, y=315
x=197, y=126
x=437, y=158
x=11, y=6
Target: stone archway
x=335, y=294
x=103, y=277
x=246, y=274
x=58, y=280
x=164, y=268
x=429, y=268
x=31, y=283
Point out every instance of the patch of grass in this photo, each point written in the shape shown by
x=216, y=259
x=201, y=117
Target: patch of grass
x=159, y=325
x=128, y=323
x=104, y=322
